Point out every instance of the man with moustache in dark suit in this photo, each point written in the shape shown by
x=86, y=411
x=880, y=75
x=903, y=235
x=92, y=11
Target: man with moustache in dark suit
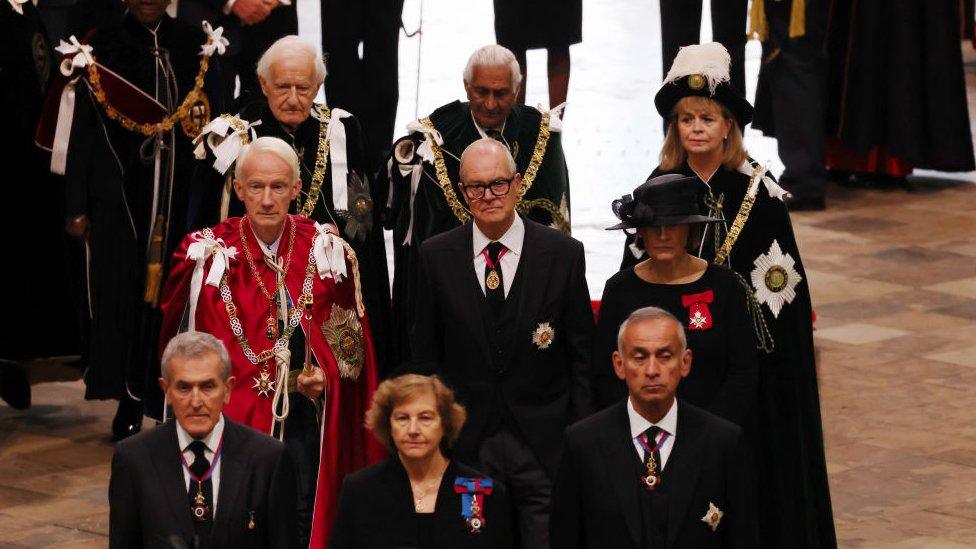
x=653, y=471
x=201, y=480
x=504, y=315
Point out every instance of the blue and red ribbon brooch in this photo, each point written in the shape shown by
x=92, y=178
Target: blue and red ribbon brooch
x=473, y=492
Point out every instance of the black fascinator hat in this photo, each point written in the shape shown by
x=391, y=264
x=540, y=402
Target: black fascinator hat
x=668, y=199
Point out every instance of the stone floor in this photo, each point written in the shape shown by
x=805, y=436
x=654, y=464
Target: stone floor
x=893, y=277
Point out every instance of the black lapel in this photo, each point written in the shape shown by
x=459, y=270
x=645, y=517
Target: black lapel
x=397, y=492
x=533, y=268
x=683, y=466
x=512, y=131
x=168, y=466
x=463, y=257
x=618, y=449
x=234, y=465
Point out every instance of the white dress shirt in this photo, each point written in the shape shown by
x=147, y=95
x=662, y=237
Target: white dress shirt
x=668, y=424
x=211, y=441
x=512, y=239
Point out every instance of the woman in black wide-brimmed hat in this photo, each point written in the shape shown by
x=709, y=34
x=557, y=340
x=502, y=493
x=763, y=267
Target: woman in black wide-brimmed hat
x=755, y=239
x=706, y=298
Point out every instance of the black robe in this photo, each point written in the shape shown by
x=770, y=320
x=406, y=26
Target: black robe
x=208, y=185
x=896, y=80
x=108, y=179
x=431, y=213
x=794, y=496
x=43, y=284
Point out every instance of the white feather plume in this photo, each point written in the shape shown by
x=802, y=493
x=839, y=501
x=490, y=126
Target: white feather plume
x=710, y=60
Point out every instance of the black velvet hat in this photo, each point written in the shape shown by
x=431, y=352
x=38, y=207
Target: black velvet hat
x=702, y=70
x=668, y=199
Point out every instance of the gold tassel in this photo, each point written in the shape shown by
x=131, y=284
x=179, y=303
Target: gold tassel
x=757, y=21
x=154, y=278
x=798, y=19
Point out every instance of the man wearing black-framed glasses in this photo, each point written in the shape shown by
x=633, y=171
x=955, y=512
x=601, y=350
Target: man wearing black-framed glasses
x=503, y=315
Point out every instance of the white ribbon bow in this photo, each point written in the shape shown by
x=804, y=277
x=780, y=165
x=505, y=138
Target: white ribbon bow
x=340, y=164
x=204, y=246
x=226, y=136
x=77, y=55
x=330, y=255
x=17, y=5
x=774, y=190
x=216, y=41
x=425, y=150
x=556, y=117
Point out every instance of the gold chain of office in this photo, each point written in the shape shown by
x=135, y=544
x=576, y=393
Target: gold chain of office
x=740, y=218
x=167, y=123
x=321, y=162
x=444, y=181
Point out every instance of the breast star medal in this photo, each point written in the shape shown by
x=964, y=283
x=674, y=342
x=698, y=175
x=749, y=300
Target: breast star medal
x=713, y=516
x=493, y=280
x=344, y=334
x=774, y=278
x=543, y=336
x=264, y=384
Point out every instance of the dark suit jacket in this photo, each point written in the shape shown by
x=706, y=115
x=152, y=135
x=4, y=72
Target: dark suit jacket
x=150, y=506
x=376, y=511
x=596, y=495
x=544, y=390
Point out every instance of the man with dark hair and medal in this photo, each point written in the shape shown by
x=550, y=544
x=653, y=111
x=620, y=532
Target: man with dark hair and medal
x=424, y=194
x=336, y=186
x=283, y=293
x=652, y=470
x=119, y=125
x=201, y=479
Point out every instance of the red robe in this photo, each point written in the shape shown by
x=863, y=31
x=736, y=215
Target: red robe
x=346, y=445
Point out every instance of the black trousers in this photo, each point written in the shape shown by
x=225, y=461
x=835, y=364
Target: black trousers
x=681, y=25
x=791, y=98
x=302, y=442
x=508, y=459
x=367, y=85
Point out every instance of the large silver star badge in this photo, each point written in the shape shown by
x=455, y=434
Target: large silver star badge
x=543, y=336
x=713, y=516
x=264, y=384
x=774, y=278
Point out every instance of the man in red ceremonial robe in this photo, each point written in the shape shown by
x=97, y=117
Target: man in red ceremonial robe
x=282, y=292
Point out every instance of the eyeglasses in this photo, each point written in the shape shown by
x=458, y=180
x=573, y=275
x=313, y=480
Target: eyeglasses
x=499, y=187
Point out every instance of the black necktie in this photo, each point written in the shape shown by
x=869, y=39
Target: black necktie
x=199, y=468
x=651, y=433
x=494, y=283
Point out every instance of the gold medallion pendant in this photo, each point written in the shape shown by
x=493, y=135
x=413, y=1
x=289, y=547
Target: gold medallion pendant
x=493, y=280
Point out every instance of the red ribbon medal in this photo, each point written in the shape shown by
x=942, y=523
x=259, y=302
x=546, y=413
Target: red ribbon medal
x=699, y=316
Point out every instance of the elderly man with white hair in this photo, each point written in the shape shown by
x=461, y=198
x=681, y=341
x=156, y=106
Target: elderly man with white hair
x=424, y=198
x=333, y=168
x=283, y=293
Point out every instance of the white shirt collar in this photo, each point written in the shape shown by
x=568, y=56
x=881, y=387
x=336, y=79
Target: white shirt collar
x=211, y=440
x=273, y=247
x=512, y=239
x=482, y=132
x=669, y=423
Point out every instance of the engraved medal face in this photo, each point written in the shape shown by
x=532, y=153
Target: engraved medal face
x=197, y=118
x=543, y=336
x=776, y=278
x=696, y=81
x=493, y=280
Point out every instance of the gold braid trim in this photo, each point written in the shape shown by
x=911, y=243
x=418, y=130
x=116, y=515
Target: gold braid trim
x=321, y=163
x=443, y=181
x=558, y=218
x=538, y=153
x=354, y=262
x=167, y=123
x=740, y=219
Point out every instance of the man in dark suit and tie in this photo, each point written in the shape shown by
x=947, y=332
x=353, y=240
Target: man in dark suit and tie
x=201, y=480
x=653, y=471
x=504, y=314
